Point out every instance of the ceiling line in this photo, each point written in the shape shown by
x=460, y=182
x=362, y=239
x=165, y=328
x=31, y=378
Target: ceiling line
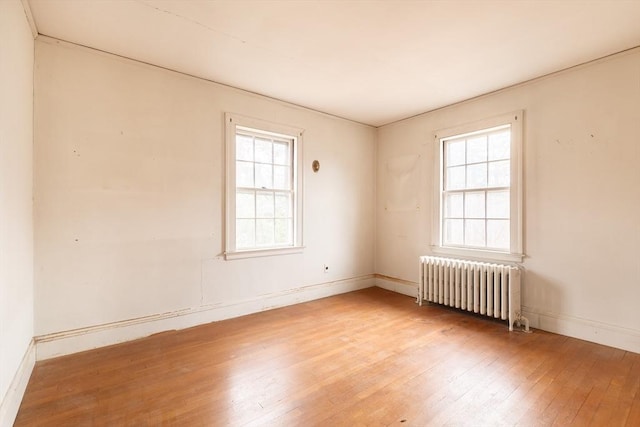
x=224, y=85
x=32, y=22
x=523, y=83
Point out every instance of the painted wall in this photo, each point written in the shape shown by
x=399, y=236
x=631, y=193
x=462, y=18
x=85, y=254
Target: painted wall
x=16, y=207
x=129, y=201
x=582, y=196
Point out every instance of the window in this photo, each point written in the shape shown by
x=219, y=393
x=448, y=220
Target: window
x=478, y=197
x=263, y=188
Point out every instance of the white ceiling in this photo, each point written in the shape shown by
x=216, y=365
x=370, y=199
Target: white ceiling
x=374, y=62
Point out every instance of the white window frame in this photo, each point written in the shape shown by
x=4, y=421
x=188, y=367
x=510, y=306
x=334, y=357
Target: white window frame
x=232, y=123
x=515, y=252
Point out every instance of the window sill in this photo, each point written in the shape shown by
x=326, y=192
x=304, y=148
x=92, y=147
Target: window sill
x=254, y=253
x=479, y=255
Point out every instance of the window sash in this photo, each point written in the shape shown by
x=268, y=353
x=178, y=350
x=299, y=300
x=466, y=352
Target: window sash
x=489, y=222
x=276, y=161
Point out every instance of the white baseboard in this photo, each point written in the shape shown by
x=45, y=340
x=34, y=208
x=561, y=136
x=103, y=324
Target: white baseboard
x=588, y=330
x=400, y=286
x=59, y=344
x=11, y=402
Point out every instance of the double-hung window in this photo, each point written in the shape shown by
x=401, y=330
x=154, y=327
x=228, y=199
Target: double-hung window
x=479, y=194
x=264, y=199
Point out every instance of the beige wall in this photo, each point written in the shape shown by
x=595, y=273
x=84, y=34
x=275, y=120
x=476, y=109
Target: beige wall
x=582, y=196
x=129, y=201
x=16, y=226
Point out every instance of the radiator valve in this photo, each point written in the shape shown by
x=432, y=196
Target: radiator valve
x=520, y=319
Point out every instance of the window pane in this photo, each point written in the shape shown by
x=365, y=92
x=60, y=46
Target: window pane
x=244, y=147
x=281, y=178
x=283, y=205
x=283, y=232
x=474, y=232
x=455, y=178
x=281, y=153
x=453, y=205
x=477, y=149
x=264, y=232
x=264, y=150
x=498, y=234
x=245, y=205
x=498, y=205
x=500, y=145
x=453, y=234
x=474, y=205
x=244, y=174
x=477, y=176
x=454, y=154
x=245, y=233
x=264, y=176
x=499, y=174
x=264, y=205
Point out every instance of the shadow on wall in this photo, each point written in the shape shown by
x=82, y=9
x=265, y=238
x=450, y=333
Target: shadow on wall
x=541, y=295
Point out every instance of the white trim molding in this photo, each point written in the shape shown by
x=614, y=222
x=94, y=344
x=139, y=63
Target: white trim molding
x=404, y=287
x=588, y=330
x=13, y=398
x=67, y=342
x=29, y=15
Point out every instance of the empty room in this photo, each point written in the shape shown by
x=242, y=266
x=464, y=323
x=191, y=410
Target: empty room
x=319, y=213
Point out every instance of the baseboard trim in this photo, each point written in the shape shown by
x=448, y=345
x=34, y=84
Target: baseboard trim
x=11, y=403
x=588, y=330
x=73, y=341
x=400, y=286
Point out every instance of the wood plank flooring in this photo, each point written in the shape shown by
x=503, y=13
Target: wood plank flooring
x=367, y=358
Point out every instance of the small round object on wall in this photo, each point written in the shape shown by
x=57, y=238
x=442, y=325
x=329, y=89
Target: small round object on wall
x=315, y=166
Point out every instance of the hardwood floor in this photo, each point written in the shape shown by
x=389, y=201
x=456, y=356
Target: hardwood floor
x=370, y=358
